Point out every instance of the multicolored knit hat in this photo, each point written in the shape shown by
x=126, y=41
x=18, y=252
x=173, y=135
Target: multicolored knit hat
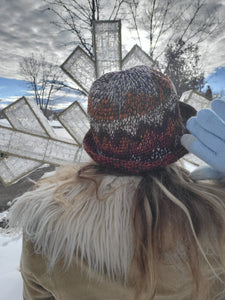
x=135, y=121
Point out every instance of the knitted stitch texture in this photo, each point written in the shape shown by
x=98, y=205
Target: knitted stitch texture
x=135, y=121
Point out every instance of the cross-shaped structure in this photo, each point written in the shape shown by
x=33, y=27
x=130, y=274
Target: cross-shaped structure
x=108, y=56
x=30, y=141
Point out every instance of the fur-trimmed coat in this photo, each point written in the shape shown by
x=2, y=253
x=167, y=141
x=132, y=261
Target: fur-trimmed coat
x=83, y=250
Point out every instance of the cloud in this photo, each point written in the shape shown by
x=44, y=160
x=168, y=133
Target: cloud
x=27, y=30
x=26, y=27
x=63, y=105
x=6, y=102
x=212, y=54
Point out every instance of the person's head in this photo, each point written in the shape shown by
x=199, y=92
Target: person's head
x=136, y=121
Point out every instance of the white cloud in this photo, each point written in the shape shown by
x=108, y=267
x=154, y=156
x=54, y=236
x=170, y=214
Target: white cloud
x=10, y=99
x=7, y=101
x=26, y=27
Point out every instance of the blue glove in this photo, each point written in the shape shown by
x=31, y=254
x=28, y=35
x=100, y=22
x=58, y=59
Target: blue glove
x=207, y=140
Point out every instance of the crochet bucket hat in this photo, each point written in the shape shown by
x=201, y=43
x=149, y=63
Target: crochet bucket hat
x=136, y=121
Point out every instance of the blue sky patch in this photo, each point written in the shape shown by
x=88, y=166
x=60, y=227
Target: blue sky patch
x=12, y=88
x=217, y=80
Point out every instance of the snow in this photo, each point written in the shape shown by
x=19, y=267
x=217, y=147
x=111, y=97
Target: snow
x=5, y=123
x=55, y=123
x=11, y=284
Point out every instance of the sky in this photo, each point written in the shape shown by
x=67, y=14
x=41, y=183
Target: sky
x=26, y=27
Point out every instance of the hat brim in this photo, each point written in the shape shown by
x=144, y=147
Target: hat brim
x=138, y=167
x=187, y=111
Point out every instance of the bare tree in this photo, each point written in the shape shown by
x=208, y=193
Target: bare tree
x=208, y=93
x=77, y=16
x=180, y=23
x=168, y=21
x=132, y=17
x=43, y=78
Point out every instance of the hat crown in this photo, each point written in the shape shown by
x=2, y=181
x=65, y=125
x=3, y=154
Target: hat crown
x=118, y=93
x=135, y=120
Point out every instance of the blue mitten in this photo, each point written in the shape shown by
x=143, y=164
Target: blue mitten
x=207, y=140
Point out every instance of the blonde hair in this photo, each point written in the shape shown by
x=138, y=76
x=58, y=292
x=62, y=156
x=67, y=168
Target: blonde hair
x=172, y=211
x=170, y=214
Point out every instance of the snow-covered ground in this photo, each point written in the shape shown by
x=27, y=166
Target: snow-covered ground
x=4, y=122
x=11, y=284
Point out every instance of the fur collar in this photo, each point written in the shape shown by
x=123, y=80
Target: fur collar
x=98, y=232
